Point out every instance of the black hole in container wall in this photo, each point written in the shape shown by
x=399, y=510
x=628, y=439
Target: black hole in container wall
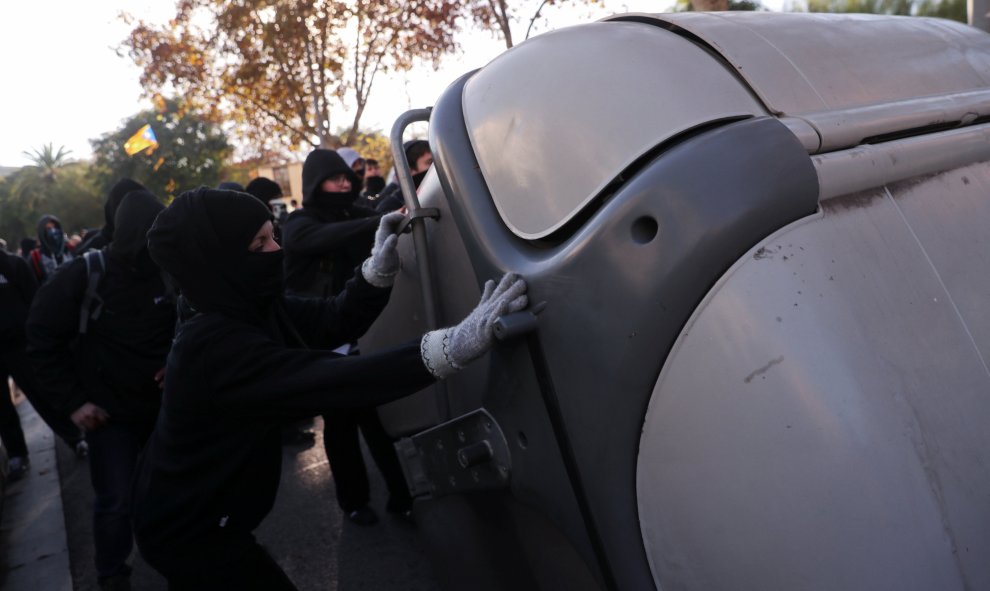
x=644, y=230
x=523, y=442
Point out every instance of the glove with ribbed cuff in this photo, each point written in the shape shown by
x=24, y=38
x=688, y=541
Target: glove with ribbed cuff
x=382, y=266
x=447, y=350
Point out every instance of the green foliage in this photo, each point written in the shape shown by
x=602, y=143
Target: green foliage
x=66, y=191
x=951, y=9
x=191, y=152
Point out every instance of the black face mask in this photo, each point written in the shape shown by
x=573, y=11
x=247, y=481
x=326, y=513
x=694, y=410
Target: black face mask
x=374, y=184
x=335, y=199
x=262, y=277
x=418, y=177
x=56, y=240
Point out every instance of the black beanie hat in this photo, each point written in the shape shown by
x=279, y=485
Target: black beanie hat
x=264, y=189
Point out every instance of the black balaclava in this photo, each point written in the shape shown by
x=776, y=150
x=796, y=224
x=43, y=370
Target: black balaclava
x=51, y=242
x=135, y=214
x=374, y=185
x=117, y=193
x=319, y=166
x=202, y=241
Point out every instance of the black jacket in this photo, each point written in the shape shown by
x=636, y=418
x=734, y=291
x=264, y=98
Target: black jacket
x=17, y=288
x=323, y=246
x=114, y=364
x=214, y=460
x=328, y=238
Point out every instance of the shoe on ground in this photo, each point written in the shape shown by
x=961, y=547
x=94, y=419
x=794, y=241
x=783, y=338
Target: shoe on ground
x=18, y=466
x=363, y=516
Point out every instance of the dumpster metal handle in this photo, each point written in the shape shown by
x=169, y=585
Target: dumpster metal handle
x=417, y=220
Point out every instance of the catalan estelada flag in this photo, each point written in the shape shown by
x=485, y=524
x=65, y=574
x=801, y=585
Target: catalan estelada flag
x=143, y=139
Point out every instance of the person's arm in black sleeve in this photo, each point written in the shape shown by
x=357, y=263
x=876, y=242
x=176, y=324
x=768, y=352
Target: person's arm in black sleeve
x=252, y=375
x=327, y=324
x=304, y=235
x=52, y=325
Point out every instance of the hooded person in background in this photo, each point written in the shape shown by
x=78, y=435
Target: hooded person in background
x=250, y=359
x=97, y=239
x=354, y=159
x=51, y=252
x=324, y=242
x=98, y=341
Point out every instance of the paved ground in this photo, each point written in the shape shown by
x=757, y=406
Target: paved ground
x=305, y=532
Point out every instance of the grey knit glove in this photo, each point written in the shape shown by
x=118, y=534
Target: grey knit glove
x=382, y=266
x=447, y=350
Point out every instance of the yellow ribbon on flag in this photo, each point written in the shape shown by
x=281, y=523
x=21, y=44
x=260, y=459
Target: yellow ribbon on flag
x=143, y=139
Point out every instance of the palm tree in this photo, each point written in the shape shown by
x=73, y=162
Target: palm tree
x=48, y=160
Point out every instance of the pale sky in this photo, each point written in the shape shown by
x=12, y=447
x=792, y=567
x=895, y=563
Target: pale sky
x=64, y=84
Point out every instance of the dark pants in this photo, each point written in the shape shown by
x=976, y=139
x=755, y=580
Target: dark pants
x=340, y=438
x=113, y=455
x=226, y=561
x=14, y=363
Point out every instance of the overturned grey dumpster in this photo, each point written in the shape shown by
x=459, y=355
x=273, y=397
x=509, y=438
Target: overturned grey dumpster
x=760, y=243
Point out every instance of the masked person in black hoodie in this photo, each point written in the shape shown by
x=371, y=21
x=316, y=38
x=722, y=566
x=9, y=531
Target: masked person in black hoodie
x=97, y=239
x=324, y=242
x=51, y=252
x=98, y=334
x=250, y=359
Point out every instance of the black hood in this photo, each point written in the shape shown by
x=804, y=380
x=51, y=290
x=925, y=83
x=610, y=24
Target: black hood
x=44, y=240
x=202, y=241
x=117, y=193
x=319, y=166
x=135, y=215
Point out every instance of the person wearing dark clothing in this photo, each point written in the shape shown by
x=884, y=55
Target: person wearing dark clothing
x=328, y=236
x=268, y=190
x=250, y=359
x=97, y=239
x=101, y=357
x=420, y=159
x=27, y=245
x=51, y=252
x=17, y=289
x=324, y=242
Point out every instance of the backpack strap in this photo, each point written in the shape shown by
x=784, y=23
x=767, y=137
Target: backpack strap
x=95, y=269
